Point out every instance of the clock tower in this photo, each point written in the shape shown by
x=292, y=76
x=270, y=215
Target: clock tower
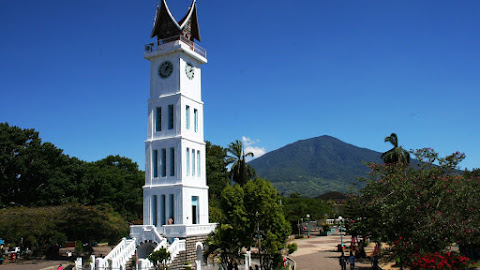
x=175, y=194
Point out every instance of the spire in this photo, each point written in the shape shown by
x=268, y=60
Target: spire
x=166, y=26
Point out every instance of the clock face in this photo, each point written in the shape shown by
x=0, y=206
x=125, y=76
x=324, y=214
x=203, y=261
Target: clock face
x=189, y=71
x=165, y=69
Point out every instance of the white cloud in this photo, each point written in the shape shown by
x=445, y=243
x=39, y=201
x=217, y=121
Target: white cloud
x=248, y=145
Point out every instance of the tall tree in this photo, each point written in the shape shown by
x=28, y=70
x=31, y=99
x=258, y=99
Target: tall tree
x=240, y=171
x=217, y=178
x=267, y=226
x=397, y=153
x=30, y=167
x=252, y=216
x=230, y=236
x=36, y=173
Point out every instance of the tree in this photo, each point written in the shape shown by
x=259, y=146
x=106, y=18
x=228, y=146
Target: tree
x=252, y=215
x=240, y=172
x=38, y=228
x=159, y=258
x=397, y=153
x=231, y=235
x=49, y=177
x=28, y=166
x=420, y=210
x=267, y=226
x=117, y=181
x=296, y=208
x=217, y=178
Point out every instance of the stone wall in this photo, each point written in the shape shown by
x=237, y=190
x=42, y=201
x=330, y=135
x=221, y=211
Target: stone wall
x=189, y=255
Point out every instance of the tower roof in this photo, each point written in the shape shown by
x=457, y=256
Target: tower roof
x=166, y=26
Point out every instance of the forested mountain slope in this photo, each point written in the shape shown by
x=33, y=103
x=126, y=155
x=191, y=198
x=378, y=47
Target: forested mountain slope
x=314, y=166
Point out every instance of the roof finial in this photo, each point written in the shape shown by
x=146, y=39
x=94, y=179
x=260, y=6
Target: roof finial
x=166, y=25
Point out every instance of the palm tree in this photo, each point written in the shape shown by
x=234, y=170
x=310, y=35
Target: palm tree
x=397, y=153
x=240, y=172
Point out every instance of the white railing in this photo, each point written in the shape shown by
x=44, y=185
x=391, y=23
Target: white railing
x=166, y=43
x=144, y=264
x=146, y=232
x=91, y=264
x=187, y=230
x=120, y=255
x=78, y=263
x=175, y=248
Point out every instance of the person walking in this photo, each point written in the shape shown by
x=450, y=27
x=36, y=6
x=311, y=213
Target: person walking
x=375, y=262
x=343, y=261
x=351, y=261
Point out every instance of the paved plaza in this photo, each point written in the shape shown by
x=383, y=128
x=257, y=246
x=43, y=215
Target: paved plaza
x=320, y=253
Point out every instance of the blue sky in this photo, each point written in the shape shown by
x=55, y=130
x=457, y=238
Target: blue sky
x=278, y=72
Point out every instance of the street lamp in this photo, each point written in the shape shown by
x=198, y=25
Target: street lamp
x=340, y=220
x=308, y=225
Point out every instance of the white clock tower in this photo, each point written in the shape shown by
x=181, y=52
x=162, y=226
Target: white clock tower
x=175, y=194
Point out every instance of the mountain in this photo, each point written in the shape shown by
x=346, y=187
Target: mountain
x=314, y=166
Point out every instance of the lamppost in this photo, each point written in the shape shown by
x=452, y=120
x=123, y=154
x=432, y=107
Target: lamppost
x=308, y=225
x=340, y=220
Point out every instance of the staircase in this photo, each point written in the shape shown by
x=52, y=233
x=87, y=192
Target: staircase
x=120, y=256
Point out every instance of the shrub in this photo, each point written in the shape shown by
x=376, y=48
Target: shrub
x=79, y=247
x=292, y=248
x=448, y=260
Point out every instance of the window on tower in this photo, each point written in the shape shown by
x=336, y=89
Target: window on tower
x=198, y=163
x=172, y=161
x=195, y=210
x=172, y=209
x=158, y=119
x=162, y=207
x=193, y=162
x=187, y=116
x=155, y=163
x=154, y=210
x=170, y=116
x=188, y=161
x=164, y=162
x=195, y=119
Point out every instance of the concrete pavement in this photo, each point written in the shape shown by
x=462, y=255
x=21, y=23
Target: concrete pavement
x=320, y=253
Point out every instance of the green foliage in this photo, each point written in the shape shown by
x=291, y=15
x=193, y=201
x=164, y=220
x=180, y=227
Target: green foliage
x=116, y=181
x=397, y=153
x=79, y=247
x=263, y=208
x=215, y=214
x=240, y=172
x=422, y=209
x=49, y=177
x=159, y=258
x=217, y=178
x=45, y=226
x=297, y=209
x=28, y=166
x=251, y=214
x=292, y=247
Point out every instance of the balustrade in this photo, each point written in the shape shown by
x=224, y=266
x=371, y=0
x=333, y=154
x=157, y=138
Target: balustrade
x=167, y=43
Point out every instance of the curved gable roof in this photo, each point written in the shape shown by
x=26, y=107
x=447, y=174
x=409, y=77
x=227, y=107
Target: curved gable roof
x=165, y=24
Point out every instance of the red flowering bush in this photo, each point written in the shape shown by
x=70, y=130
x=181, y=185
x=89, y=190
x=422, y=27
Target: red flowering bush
x=437, y=261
